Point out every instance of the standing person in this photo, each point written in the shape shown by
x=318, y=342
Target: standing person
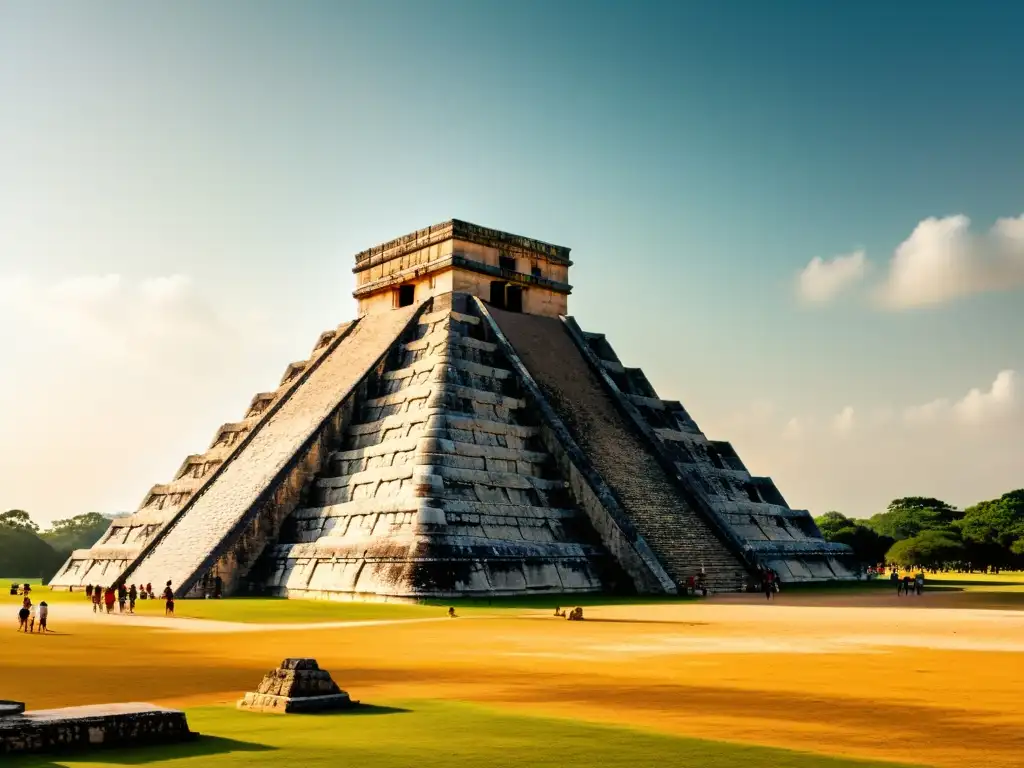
x=23, y=614
x=133, y=594
x=122, y=597
x=169, y=600
x=109, y=598
x=96, y=596
x=906, y=583
x=149, y=589
x=218, y=586
x=919, y=583
x=44, y=613
x=766, y=585
x=899, y=583
x=88, y=591
x=32, y=612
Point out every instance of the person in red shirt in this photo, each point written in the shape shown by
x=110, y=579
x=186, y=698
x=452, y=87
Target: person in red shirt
x=109, y=598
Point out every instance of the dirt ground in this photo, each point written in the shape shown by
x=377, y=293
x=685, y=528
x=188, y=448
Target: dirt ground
x=919, y=681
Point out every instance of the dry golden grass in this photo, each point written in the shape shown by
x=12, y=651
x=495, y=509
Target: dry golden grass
x=876, y=678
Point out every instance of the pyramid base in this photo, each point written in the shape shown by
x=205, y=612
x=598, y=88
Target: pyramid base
x=284, y=705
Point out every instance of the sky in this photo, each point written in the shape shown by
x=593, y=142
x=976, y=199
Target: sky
x=803, y=220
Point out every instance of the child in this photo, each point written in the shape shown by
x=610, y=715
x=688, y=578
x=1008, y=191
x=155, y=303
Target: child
x=23, y=618
x=44, y=612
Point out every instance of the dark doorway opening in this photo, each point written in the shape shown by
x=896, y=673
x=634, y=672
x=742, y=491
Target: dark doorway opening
x=507, y=263
x=498, y=293
x=514, y=298
x=406, y=295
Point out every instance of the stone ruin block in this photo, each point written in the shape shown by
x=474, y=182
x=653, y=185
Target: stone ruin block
x=297, y=686
x=90, y=727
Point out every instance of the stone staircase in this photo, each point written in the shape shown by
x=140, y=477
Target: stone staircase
x=751, y=509
x=439, y=485
x=682, y=540
x=227, y=524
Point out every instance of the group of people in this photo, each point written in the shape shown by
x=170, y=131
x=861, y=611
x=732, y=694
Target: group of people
x=104, y=598
x=31, y=617
x=907, y=585
x=576, y=614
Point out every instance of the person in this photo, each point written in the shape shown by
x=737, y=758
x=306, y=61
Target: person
x=88, y=591
x=218, y=587
x=169, y=600
x=919, y=583
x=96, y=596
x=149, y=589
x=451, y=612
x=23, y=618
x=109, y=598
x=44, y=614
x=769, y=585
x=133, y=594
x=32, y=611
x=899, y=582
x=122, y=597
x=691, y=585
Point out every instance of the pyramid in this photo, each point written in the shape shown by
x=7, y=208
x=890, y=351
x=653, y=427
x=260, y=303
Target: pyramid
x=298, y=685
x=462, y=436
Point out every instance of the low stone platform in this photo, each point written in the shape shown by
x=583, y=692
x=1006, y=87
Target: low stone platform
x=297, y=686
x=89, y=727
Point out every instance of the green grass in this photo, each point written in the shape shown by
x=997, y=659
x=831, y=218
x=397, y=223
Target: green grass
x=431, y=734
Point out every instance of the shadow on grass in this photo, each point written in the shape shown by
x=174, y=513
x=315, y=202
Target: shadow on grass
x=201, y=746
x=359, y=711
x=974, y=583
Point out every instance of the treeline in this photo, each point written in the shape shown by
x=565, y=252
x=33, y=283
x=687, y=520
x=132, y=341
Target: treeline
x=922, y=531
x=28, y=552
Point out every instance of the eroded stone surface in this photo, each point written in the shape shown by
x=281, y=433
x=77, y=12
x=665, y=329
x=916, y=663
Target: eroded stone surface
x=298, y=685
x=92, y=727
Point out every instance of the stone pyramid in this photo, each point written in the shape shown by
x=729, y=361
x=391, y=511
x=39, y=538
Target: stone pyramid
x=463, y=436
x=298, y=685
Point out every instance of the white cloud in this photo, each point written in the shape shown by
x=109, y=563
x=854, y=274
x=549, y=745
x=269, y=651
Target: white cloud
x=943, y=260
x=976, y=408
x=979, y=407
x=794, y=429
x=843, y=422
x=821, y=281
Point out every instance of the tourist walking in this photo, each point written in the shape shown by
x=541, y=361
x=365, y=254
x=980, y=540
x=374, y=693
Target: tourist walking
x=906, y=584
x=88, y=591
x=96, y=597
x=169, y=600
x=32, y=613
x=133, y=595
x=23, y=614
x=109, y=598
x=122, y=597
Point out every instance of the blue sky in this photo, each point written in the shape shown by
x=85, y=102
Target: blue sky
x=695, y=156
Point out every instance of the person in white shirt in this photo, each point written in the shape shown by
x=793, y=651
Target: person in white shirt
x=44, y=612
x=32, y=618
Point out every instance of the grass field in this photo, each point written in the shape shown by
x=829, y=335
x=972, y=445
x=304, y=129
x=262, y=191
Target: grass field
x=853, y=674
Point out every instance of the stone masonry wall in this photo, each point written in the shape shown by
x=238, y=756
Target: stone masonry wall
x=183, y=548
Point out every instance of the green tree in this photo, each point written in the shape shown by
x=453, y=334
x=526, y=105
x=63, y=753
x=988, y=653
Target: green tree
x=909, y=516
x=990, y=529
x=930, y=549
x=868, y=545
x=18, y=519
x=77, y=532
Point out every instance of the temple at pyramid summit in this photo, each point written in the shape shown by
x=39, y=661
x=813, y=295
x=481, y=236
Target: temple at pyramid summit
x=462, y=436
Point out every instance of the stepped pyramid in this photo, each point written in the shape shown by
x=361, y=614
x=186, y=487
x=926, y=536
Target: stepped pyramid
x=463, y=436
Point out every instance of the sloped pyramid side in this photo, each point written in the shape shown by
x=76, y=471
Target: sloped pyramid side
x=441, y=486
x=681, y=537
x=226, y=526
x=126, y=538
x=751, y=508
